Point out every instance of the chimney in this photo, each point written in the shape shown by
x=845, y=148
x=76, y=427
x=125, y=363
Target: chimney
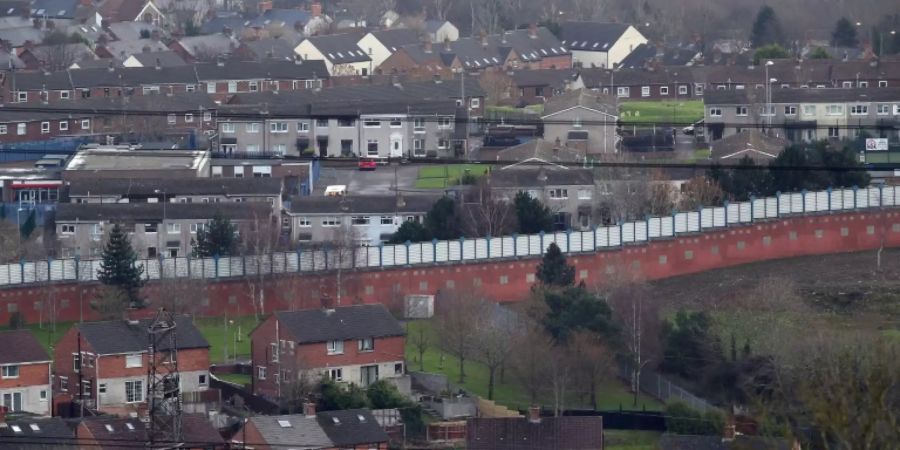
x=111, y=67
x=729, y=432
x=309, y=409
x=316, y=8
x=437, y=78
x=220, y=62
x=484, y=40
x=534, y=414
x=401, y=202
x=532, y=30
x=298, y=60
x=503, y=38
x=264, y=6
x=395, y=81
x=158, y=64
x=427, y=46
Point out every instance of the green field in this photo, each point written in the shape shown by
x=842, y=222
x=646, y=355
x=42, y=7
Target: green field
x=612, y=394
x=440, y=177
x=45, y=335
x=630, y=440
x=235, y=378
x=683, y=112
x=222, y=336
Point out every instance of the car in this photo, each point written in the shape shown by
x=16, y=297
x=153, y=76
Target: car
x=367, y=164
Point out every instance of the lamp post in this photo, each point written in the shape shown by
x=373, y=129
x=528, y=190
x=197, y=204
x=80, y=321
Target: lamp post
x=164, y=232
x=768, y=93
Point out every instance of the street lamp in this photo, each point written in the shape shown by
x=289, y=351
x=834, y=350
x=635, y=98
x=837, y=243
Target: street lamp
x=164, y=231
x=768, y=92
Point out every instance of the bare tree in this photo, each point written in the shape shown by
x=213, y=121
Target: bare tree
x=420, y=341
x=700, y=191
x=529, y=363
x=181, y=295
x=497, y=85
x=495, y=337
x=439, y=8
x=639, y=320
x=457, y=317
x=484, y=213
x=110, y=303
x=260, y=237
x=594, y=361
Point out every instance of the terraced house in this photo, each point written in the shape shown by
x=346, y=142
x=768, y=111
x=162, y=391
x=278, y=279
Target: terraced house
x=24, y=374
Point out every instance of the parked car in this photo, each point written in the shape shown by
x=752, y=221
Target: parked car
x=367, y=164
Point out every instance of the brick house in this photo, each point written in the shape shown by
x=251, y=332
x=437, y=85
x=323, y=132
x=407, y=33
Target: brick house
x=107, y=432
x=354, y=344
x=24, y=373
x=347, y=429
x=53, y=433
x=109, y=360
x=535, y=432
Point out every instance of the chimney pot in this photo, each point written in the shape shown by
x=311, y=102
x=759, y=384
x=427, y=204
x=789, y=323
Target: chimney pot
x=309, y=409
x=532, y=30
x=534, y=414
x=316, y=8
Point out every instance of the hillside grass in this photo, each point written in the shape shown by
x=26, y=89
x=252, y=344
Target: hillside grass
x=631, y=440
x=222, y=336
x=440, y=177
x=661, y=112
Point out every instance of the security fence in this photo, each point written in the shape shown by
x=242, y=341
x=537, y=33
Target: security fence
x=461, y=250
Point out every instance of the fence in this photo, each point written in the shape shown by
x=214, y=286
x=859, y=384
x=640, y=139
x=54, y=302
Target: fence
x=463, y=250
x=662, y=389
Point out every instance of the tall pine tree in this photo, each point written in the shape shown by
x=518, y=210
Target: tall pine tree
x=844, y=34
x=533, y=216
x=766, y=28
x=217, y=238
x=118, y=269
x=553, y=269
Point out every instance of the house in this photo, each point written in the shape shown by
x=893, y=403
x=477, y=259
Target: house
x=353, y=344
x=265, y=50
x=352, y=428
x=129, y=162
x=603, y=45
x=441, y=31
x=109, y=361
x=340, y=52
x=18, y=125
x=535, y=432
x=751, y=143
x=649, y=83
x=33, y=433
x=54, y=9
x=164, y=58
x=536, y=86
x=537, y=152
x=364, y=219
x=281, y=21
x=582, y=119
x=568, y=192
x=108, y=432
x=156, y=229
x=145, y=11
x=232, y=77
x=204, y=48
x=121, y=50
x=646, y=55
x=805, y=115
x=24, y=374
x=381, y=44
x=296, y=176
x=55, y=57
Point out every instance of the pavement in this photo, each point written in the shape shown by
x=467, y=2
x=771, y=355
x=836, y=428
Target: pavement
x=380, y=181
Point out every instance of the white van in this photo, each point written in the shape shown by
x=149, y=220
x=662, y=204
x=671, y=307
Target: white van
x=336, y=190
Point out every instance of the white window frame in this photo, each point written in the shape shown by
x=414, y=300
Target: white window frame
x=790, y=110
x=474, y=103
x=64, y=125
x=304, y=222
x=303, y=127
x=7, y=374
x=360, y=221
x=232, y=87
x=85, y=124
x=67, y=228
x=171, y=119
x=137, y=391
x=131, y=358
x=445, y=123
x=809, y=110
x=682, y=89
x=45, y=127
x=64, y=95
x=859, y=110
x=419, y=125
x=334, y=347
x=834, y=110
x=370, y=148
x=419, y=147
x=558, y=193
x=584, y=194
x=278, y=127
x=251, y=128
x=173, y=228
x=663, y=90
x=371, y=123
x=623, y=91
x=366, y=344
x=741, y=111
x=207, y=117
x=387, y=220
x=22, y=96
x=331, y=221
x=210, y=88
x=883, y=109
x=253, y=86
x=227, y=127
x=715, y=112
x=836, y=134
x=188, y=118
x=336, y=374
x=260, y=372
x=3, y=129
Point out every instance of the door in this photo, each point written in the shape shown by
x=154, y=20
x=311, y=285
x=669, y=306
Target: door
x=368, y=375
x=396, y=146
x=13, y=401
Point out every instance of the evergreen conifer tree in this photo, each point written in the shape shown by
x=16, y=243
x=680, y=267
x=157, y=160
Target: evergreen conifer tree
x=553, y=270
x=217, y=238
x=118, y=269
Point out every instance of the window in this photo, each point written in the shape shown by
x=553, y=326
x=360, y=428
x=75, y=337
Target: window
x=335, y=347
x=279, y=149
x=833, y=132
x=67, y=229
x=45, y=127
x=883, y=109
x=418, y=147
x=64, y=95
x=150, y=227
x=313, y=84
x=274, y=352
x=443, y=143
x=682, y=90
x=847, y=84
x=336, y=374
x=10, y=372
x=134, y=391
x=331, y=221
x=43, y=395
x=134, y=359
x=232, y=87
x=303, y=127
x=559, y=193
x=251, y=128
x=740, y=111
x=584, y=194
x=63, y=384
x=207, y=116
x=419, y=125
x=809, y=110
x=346, y=123
x=444, y=122
x=698, y=89
x=396, y=123
x=359, y=220
x=367, y=345
x=863, y=84
x=188, y=118
x=210, y=88
x=76, y=362
x=371, y=123
x=474, y=103
x=2, y=129
x=321, y=123
x=173, y=228
x=278, y=127
x=387, y=220
x=171, y=119
x=101, y=388
x=22, y=96
x=790, y=110
x=260, y=373
x=304, y=222
x=767, y=111
x=252, y=148
x=202, y=379
x=148, y=90
x=64, y=125
x=663, y=90
x=897, y=109
x=372, y=147
x=189, y=88
x=715, y=112
x=859, y=110
x=398, y=369
x=227, y=127
x=834, y=110
x=254, y=86
x=623, y=91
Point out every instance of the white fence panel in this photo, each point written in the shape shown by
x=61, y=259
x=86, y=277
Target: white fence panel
x=667, y=226
x=862, y=198
x=4, y=274
x=719, y=217
x=681, y=223
x=848, y=198
x=69, y=269
x=615, y=236
x=733, y=213
x=759, y=208
x=468, y=249
x=888, y=196
x=534, y=245
x=628, y=232
x=443, y=251
x=602, y=235
x=821, y=201
x=14, y=272
x=706, y=218
x=479, y=248
x=389, y=255
x=796, y=203
x=654, y=227
x=507, y=246
x=837, y=200
x=745, y=213
x=640, y=231
x=693, y=221
x=771, y=207
x=784, y=204
x=575, y=242
x=151, y=269
x=523, y=244
x=874, y=197
x=415, y=253
x=454, y=251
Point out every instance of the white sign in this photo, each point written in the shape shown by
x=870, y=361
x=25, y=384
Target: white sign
x=876, y=145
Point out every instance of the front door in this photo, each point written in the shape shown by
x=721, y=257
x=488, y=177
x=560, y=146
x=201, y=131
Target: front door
x=13, y=401
x=396, y=146
x=368, y=375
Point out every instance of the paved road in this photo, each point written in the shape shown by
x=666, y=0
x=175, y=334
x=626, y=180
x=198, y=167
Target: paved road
x=377, y=182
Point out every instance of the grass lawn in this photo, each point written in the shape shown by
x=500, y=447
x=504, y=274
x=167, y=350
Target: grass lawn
x=611, y=394
x=701, y=154
x=631, y=440
x=44, y=335
x=439, y=177
x=221, y=337
x=685, y=112
x=235, y=378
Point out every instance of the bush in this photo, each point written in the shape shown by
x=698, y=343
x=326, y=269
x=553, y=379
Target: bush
x=384, y=395
x=682, y=419
x=336, y=397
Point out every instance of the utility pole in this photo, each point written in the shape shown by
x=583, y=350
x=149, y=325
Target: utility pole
x=163, y=383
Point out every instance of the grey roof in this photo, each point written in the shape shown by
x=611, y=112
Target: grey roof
x=580, y=97
x=14, y=8
x=432, y=26
x=122, y=336
x=595, y=78
x=243, y=70
x=591, y=36
x=752, y=142
x=122, y=49
x=215, y=25
x=122, y=432
x=688, y=442
x=54, y=9
x=280, y=18
x=154, y=212
x=267, y=49
x=396, y=38
x=130, y=30
x=302, y=433
x=351, y=427
x=165, y=58
x=108, y=159
x=519, y=433
x=368, y=204
x=344, y=323
x=556, y=78
x=10, y=60
x=339, y=48
x=826, y=95
x=211, y=45
x=639, y=57
x=527, y=177
x=127, y=187
x=540, y=149
x=19, y=36
x=46, y=433
x=181, y=103
x=20, y=346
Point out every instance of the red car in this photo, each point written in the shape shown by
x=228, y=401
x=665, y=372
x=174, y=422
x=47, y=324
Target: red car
x=367, y=164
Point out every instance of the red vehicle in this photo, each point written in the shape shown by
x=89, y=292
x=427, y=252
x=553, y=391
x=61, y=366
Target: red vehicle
x=367, y=164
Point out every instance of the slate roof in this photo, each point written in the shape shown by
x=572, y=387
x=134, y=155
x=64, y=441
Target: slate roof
x=556, y=78
x=525, y=177
x=48, y=433
x=188, y=186
x=121, y=10
x=166, y=58
x=19, y=36
x=640, y=56
x=339, y=48
x=518, y=433
x=121, y=336
x=753, y=143
x=129, y=31
x=363, y=204
x=828, y=95
x=432, y=26
x=121, y=50
x=125, y=431
x=181, y=103
x=591, y=36
x=54, y=9
x=20, y=346
x=396, y=38
x=351, y=427
x=540, y=149
x=197, y=428
x=579, y=97
x=208, y=45
x=13, y=8
x=153, y=212
x=345, y=323
x=303, y=433
x=685, y=442
x=267, y=49
x=242, y=70
x=280, y=18
x=215, y=25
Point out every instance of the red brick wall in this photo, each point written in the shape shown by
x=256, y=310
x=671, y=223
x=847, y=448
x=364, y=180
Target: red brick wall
x=556, y=62
x=710, y=250
x=29, y=375
x=62, y=360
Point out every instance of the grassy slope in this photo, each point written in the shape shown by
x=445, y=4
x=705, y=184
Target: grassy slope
x=439, y=177
x=631, y=440
x=612, y=394
x=662, y=112
x=216, y=333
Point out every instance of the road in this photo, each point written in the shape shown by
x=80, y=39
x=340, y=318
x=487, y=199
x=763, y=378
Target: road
x=378, y=182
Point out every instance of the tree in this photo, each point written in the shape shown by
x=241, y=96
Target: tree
x=334, y=396
x=28, y=226
x=384, y=395
x=574, y=309
x=698, y=192
x=530, y=362
x=766, y=28
x=483, y=213
x=218, y=238
x=770, y=51
x=844, y=34
x=553, y=271
x=118, y=268
x=689, y=345
x=457, y=319
x=497, y=86
x=420, y=341
x=638, y=318
x=110, y=302
x=682, y=419
x=495, y=337
x=533, y=216
x=191, y=28
x=442, y=222
x=594, y=362
x=818, y=53
x=410, y=231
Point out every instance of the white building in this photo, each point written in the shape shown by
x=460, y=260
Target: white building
x=600, y=44
x=340, y=52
